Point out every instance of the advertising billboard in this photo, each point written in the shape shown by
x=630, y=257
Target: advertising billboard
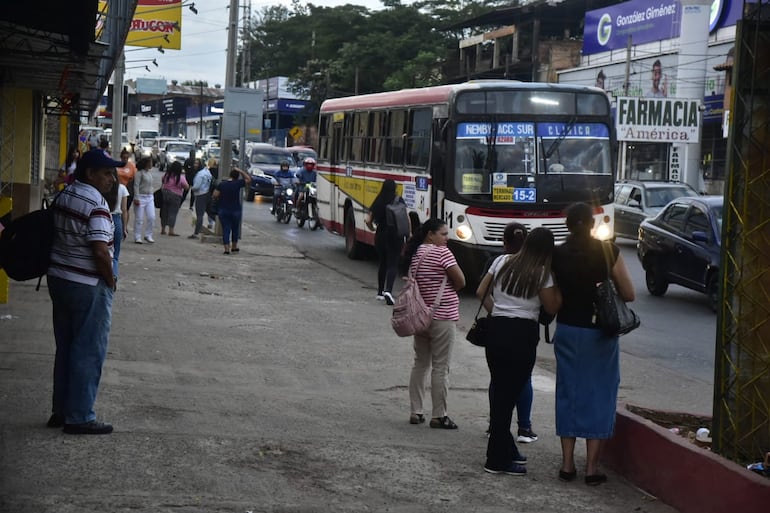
x=665, y=120
x=157, y=23
x=609, y=28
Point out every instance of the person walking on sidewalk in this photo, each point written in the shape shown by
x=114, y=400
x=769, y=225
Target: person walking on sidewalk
x=174, y=184
x=587, y=360
x=200, y=188
x=520, y=284
x=387, y=243
x=81, y=284
x=228, y=195
x=144, y=213
x=438, y=276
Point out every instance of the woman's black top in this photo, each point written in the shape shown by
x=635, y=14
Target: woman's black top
x=379, y=216
x=578, y=265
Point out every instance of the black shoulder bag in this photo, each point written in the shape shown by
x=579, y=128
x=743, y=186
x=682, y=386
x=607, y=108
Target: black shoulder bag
x=613, y=316
x=477, y=335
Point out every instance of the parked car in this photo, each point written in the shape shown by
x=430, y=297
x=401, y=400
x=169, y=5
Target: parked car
x=637, y=201
x=175, y=151
x=264, y=161
x=682, y=245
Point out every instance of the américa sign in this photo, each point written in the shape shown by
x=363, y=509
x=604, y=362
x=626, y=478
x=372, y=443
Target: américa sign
x=673, y=120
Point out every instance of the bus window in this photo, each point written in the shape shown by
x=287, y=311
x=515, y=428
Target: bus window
x=585, y=156
x=592, y=105
x=418, y=141
x=360, y=120
x=323, y=137
x=394, y=138
x=347, y=138
x=377, y=124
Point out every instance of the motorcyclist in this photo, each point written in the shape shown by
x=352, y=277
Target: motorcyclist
x=305, y=176
x=284, y=176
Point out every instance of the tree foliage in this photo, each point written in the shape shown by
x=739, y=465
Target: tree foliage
x=349, y=49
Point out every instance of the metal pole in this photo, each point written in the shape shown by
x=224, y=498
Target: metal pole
x=117, y=104
x=627, y=76
x=232, y=44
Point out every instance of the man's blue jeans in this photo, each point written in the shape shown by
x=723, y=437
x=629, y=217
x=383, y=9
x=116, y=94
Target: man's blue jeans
x=82, y=316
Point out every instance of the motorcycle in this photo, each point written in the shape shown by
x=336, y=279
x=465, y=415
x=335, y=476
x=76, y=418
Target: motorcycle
x=284, y=206
x=307, y=209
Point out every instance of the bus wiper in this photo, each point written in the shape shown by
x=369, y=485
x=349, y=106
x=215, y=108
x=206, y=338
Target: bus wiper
x=491, y=162
x=555, y=144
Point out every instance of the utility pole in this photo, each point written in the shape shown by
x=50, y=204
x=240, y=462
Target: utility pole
x=117, y=104
x=225, y=163
x=245, y=46
x=627, y=76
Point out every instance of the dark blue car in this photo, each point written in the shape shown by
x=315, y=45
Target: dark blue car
x=682, y=245
x=264, y=161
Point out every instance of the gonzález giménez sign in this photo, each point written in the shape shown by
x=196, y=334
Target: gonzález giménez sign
x=665, y=120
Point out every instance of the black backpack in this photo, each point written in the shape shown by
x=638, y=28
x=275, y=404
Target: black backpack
x=397, y=218
x=25, y=245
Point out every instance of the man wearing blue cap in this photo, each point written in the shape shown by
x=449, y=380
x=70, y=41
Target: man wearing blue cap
x=81, y=284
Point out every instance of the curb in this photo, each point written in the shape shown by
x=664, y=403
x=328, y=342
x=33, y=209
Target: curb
x=679, y=473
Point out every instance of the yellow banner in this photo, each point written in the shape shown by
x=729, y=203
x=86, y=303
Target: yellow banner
x=360, y=190
x=157, y=23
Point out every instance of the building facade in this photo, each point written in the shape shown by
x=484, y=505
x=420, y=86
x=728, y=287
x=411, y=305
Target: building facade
x=654, y=60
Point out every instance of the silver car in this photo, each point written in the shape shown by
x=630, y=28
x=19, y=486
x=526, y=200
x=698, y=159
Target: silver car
x=176, y=151
x=637, y=201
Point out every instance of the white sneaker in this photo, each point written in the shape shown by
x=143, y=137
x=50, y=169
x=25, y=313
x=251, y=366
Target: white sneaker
x=137, y=241
x=380, y=297
x=389, y=298
x=150, y=240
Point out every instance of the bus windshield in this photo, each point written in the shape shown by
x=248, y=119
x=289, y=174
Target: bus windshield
x=509, y=161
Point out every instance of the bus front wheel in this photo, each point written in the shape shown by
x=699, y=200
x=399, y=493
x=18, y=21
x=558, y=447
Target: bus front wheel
x=352, y=247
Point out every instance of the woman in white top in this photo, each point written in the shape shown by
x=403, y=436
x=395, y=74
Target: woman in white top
x=520, y=283
x=117, y=199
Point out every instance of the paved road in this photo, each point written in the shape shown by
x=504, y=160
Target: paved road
x=667, y=363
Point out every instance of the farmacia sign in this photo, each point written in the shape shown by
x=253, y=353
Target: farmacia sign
x=673, y=120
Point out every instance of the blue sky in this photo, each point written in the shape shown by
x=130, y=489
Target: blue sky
x=204, y=42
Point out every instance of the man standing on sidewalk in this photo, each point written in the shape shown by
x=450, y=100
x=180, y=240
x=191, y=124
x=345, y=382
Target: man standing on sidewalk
x=200, y=187
x=81, y=284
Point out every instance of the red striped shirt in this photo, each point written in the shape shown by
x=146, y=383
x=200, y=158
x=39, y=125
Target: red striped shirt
x=431, y=273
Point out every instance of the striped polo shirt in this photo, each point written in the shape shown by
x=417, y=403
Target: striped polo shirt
x=81, y=216
x=429, y=276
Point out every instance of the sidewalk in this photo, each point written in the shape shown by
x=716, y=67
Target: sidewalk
x=261, y=382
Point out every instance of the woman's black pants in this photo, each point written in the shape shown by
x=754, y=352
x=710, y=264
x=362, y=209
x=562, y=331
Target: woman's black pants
x=511, y=348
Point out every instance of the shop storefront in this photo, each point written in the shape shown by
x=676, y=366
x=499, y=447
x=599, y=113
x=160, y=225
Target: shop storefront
x=633, y=50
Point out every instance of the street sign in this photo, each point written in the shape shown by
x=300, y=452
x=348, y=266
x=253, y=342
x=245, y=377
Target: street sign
x=295, y=132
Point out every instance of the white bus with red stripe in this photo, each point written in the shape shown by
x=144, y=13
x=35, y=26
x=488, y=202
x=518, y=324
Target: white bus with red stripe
x=478, y=155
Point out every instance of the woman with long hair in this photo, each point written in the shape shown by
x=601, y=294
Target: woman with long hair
x=439, y=278
x=387, y=244
x=587, y=360
x=520, y=283
x=144, y=213
x=117, y=199
x=513, y=239
x=173, y=186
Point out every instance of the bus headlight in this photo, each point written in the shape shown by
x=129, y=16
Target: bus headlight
x=464, y=232
x=603, y=232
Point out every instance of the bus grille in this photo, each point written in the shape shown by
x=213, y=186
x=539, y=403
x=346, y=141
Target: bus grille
x=493, y=231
